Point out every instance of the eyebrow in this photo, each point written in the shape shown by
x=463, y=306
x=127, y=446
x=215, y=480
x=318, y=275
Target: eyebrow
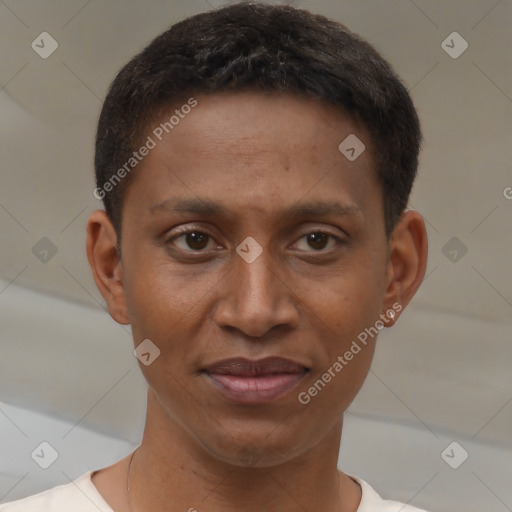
x=198, y=206
x=319, y=208
x=211, y=208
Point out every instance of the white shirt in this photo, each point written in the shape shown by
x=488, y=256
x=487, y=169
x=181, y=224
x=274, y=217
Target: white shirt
x=82, y=496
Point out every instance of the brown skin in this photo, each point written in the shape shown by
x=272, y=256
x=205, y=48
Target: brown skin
x=257, y=155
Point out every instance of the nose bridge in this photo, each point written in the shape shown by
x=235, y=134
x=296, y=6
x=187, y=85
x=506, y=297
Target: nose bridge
x=253, y=299
x=255, y=283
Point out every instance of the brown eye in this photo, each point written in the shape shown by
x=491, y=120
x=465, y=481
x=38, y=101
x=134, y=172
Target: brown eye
x=196, y=240
x=317, y=241
x=192, y=241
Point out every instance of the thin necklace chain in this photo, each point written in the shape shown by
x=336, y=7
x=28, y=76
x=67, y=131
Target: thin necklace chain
x=128, y=481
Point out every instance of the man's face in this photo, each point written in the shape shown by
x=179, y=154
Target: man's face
x=266, y=167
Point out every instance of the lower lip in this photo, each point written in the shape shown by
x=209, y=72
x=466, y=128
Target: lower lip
x=254, y=390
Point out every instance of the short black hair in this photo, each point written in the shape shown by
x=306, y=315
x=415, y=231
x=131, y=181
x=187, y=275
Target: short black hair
x=260, y=47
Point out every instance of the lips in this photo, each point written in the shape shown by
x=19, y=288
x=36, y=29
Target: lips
x=248, y=368
x=255, y=381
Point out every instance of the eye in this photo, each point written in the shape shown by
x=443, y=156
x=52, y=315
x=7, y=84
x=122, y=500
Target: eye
x=193, y=241
x=317, y=241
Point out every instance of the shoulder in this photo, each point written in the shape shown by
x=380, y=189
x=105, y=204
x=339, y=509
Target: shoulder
x=372, y=502
x=79, y=496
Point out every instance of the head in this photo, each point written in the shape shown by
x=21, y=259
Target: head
x=240, y=226
x=263, y=48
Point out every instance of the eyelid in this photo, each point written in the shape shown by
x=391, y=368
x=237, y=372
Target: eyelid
x=188, y=228
x=312, y=227
x=339, y=240
x=179, y=231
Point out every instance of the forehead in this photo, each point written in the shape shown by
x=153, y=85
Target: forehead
x=251, y=148
x=248, y=121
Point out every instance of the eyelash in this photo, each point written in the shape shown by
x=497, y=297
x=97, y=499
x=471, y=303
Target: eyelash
x=185, y=231
x=339, y=241
x=202, y=231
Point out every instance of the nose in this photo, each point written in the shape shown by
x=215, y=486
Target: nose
x=255, y=299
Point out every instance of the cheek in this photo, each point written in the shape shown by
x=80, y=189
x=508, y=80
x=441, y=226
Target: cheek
x=345, y=350
x=347, y=307
x=159, y=296
x=349, y=312
x=166, y=311
x=347, y=300
x=330, y=392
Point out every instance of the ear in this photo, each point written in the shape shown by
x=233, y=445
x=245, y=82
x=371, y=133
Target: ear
x=105, y=262
x=407, y=262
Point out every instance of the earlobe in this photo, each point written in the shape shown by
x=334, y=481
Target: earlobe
x=105, y=262
x=408, y=250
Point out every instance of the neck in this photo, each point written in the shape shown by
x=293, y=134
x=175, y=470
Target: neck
x=172, y=471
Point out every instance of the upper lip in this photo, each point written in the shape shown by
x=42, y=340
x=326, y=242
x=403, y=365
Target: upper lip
x=241, y=366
